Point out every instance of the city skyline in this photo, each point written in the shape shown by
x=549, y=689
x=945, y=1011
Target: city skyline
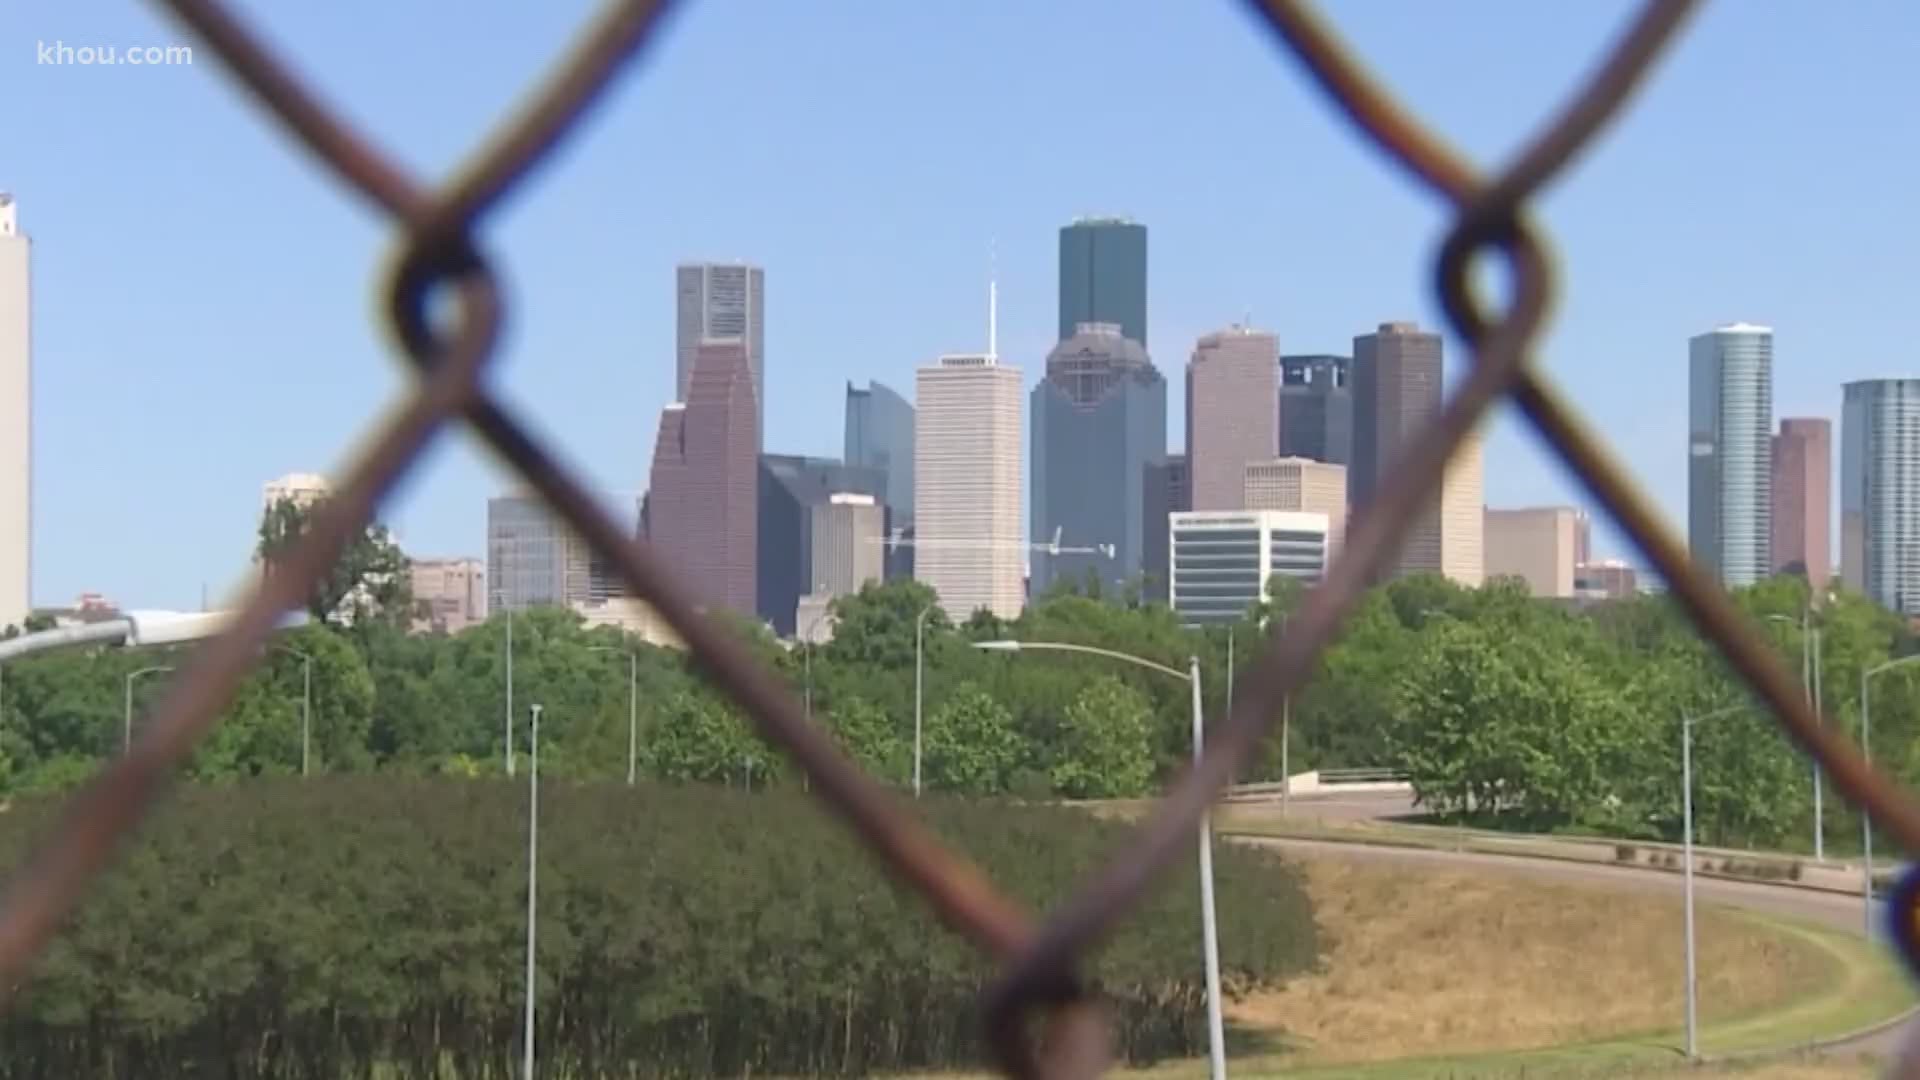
x=176, y=383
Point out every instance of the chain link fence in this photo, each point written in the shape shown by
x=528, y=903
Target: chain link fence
x=1042, y=1022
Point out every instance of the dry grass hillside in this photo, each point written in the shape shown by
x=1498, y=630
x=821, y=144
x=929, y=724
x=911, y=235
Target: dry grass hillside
x=1445, y=962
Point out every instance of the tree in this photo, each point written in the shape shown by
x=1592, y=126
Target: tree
x=1501, y=726
x=868, y=736
x=875, y=626
x=368, y=581
x=1106, y=745
x=698, y=738
x=971, y=745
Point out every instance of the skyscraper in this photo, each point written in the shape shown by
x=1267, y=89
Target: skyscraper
x=1730, y=453
x=1233, y=389
x=722, y=303
x=1802, y=499
x=966, y=485
x=1397, y=379
x=534, y=558
x=1302, y=485
x=1103, y=276
x=1880, y=491
x=1099, y=416
x=845, y=545
x=879, y=435
x=1396, y=387
x=1316, y=408
x=1462, y=518
x=703, y=501
x=792, y=492
x=449, y=595
x=1163, y=493
x=16, y=420
x=1540, y=545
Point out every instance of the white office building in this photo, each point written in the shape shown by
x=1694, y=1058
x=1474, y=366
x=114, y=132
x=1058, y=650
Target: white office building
x=966, y=485
x=1222, y=560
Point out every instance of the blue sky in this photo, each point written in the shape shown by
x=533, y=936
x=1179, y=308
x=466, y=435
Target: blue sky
x=202, y=292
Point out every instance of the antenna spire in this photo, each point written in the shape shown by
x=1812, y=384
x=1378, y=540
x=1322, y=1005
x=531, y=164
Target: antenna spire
x=993, y=302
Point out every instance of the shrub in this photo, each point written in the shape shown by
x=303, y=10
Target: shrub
x=374, y=926
x=1625, y=853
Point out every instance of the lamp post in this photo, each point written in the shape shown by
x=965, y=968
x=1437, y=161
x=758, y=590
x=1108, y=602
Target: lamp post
x=1686, y=828
x=806, y=650
x=633, y=704
x=506, y=739
x=1819, y=813
x=1808, y=681
x=1210, y=943
x=126, y=738
x=919, y=679
x=533, y=874
x=306, y=703
x=1866, y=819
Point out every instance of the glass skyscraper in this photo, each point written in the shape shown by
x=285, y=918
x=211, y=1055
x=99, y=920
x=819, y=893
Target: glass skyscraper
x=1316, y=408
x=1730, y=453
x=1099, y=418
x=1103, y=276
x=1880, y=491
x=879, y=435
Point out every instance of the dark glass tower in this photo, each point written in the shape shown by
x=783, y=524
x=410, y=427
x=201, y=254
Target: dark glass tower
x=1316, y=408
x=879, y=436
x=1103, y=276
x=1099, y=418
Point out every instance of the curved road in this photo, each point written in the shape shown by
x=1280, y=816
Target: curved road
x=1833, y=909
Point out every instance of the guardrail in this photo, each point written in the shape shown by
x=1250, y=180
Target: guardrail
x=1322, y=782
x=1371, y=775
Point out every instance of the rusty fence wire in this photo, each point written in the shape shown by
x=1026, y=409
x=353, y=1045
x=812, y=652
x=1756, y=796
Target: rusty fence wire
x=1041, y=1021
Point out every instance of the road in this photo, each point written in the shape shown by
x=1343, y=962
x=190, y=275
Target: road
x=1832, y=909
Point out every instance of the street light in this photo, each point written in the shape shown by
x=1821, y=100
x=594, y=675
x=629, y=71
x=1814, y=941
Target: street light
x=126, y=738
x=1686, y=802
x=506, y=739
x=1809, y=681
x=919, y=665
x=533, y=876
x=806, y=650
x=1210, y=942
x=1286, y=719
x=633, y=704
x=1866, y=818
x=306, y=703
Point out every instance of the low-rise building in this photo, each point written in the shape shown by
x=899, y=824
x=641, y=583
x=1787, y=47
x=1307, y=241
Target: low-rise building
x=1223, y=560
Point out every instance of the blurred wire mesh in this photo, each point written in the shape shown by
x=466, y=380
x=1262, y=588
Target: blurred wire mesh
x=1041, y=1023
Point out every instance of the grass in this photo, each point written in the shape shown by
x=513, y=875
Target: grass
x=1448, y=962
x=1444, y=973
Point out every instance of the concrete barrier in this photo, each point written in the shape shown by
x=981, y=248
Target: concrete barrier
x=1318, y=784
